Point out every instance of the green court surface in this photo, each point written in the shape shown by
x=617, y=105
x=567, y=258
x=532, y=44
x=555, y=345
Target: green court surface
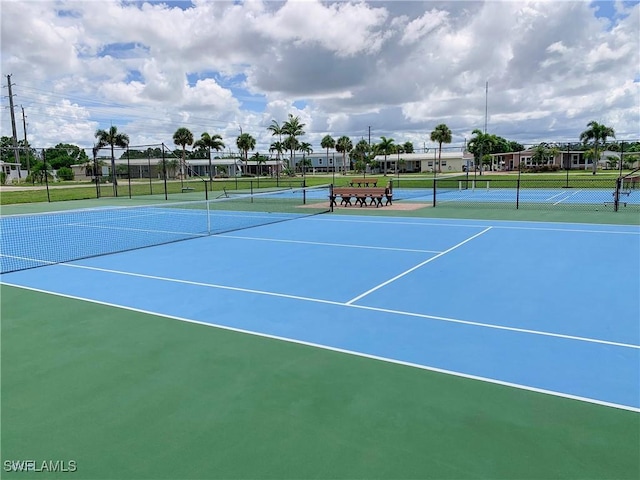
x=129, y=395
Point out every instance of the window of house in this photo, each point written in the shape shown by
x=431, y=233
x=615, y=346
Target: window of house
x=319, y=161
x=444, y=163
x=331, y=161
x=430, y=163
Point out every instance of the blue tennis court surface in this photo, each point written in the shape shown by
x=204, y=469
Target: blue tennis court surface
x=558, y=196
x=539, y=306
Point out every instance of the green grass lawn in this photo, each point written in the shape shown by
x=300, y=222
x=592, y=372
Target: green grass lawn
x=134, y=396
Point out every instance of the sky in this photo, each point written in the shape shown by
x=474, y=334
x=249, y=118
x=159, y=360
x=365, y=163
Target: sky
x=529, y=71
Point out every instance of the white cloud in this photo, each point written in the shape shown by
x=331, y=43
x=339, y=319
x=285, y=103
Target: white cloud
x=399, y=67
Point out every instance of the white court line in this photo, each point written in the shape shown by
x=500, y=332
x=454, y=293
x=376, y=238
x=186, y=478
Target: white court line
x=554, y=196
x=567, y=197
x=362, y=307
x=345, y=351
x=506, y=227
x=355, y=299
x=262, y=239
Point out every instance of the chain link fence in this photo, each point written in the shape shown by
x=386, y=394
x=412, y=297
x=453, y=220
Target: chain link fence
x=522, y=192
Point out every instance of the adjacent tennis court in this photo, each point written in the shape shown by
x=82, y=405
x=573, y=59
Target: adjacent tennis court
x=329, y=346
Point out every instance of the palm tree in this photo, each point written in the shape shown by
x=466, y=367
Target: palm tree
x=596, y=133
x=210, y=141
x=275, y=129
x=277, y=147
x=305, y=148
x=399, y=150
x=245, y=142
x=480, y=145
x=112, y=138
x=344, y=145
x=441, y=134
x=169, y=167
x=385, y=147
x=293, y=145
x=183, y=137
x=293, y=129
x=540, y=154
x=408, y=147
x=328, y=142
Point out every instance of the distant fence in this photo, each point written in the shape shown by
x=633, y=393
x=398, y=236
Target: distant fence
x=583, y=193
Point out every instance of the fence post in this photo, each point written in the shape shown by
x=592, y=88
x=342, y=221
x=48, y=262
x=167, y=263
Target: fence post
x=164, y=173
x=129, y=170
x=331, y=198
x=46, y=174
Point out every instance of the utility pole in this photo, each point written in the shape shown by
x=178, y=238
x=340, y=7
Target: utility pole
x=13, y=126
x=26, y=145
x=369, y=154
x=486, y=106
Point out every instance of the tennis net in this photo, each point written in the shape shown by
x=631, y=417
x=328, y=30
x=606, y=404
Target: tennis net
x=29, y=241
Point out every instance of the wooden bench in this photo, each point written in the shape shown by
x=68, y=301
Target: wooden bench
x=363, y=181
x=361, y=196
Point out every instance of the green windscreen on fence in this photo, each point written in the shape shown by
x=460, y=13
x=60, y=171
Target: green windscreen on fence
x=29, y=241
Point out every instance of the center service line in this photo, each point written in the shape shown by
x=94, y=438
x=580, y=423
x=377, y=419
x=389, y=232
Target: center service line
x=355, y=299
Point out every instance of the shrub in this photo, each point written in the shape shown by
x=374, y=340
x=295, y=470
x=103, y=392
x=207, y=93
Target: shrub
x=65, y=173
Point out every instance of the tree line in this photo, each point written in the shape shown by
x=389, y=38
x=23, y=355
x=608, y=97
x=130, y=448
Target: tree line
x=288, y=140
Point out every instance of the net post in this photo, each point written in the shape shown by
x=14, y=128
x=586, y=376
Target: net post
x=434, y=192
x=304, y=195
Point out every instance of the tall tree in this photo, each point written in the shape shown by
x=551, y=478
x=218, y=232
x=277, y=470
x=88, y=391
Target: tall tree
x=399, y=150
x=275, y=129
x=293, y=129
x=385, y=147
x=480, y=145
x=183, y=137
x=306, y=149
x=65, y=155
x=112, y=139
x=210, y=142
x=408, y=147
x=595, y=134
x=441, y=134
x=344, y=145
x=245, y=142
x=277, y=147
x=540, y=154
x=328, y=142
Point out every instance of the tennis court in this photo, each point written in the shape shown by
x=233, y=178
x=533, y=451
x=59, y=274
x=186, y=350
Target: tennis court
x=329, y=346
x=553, y=197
